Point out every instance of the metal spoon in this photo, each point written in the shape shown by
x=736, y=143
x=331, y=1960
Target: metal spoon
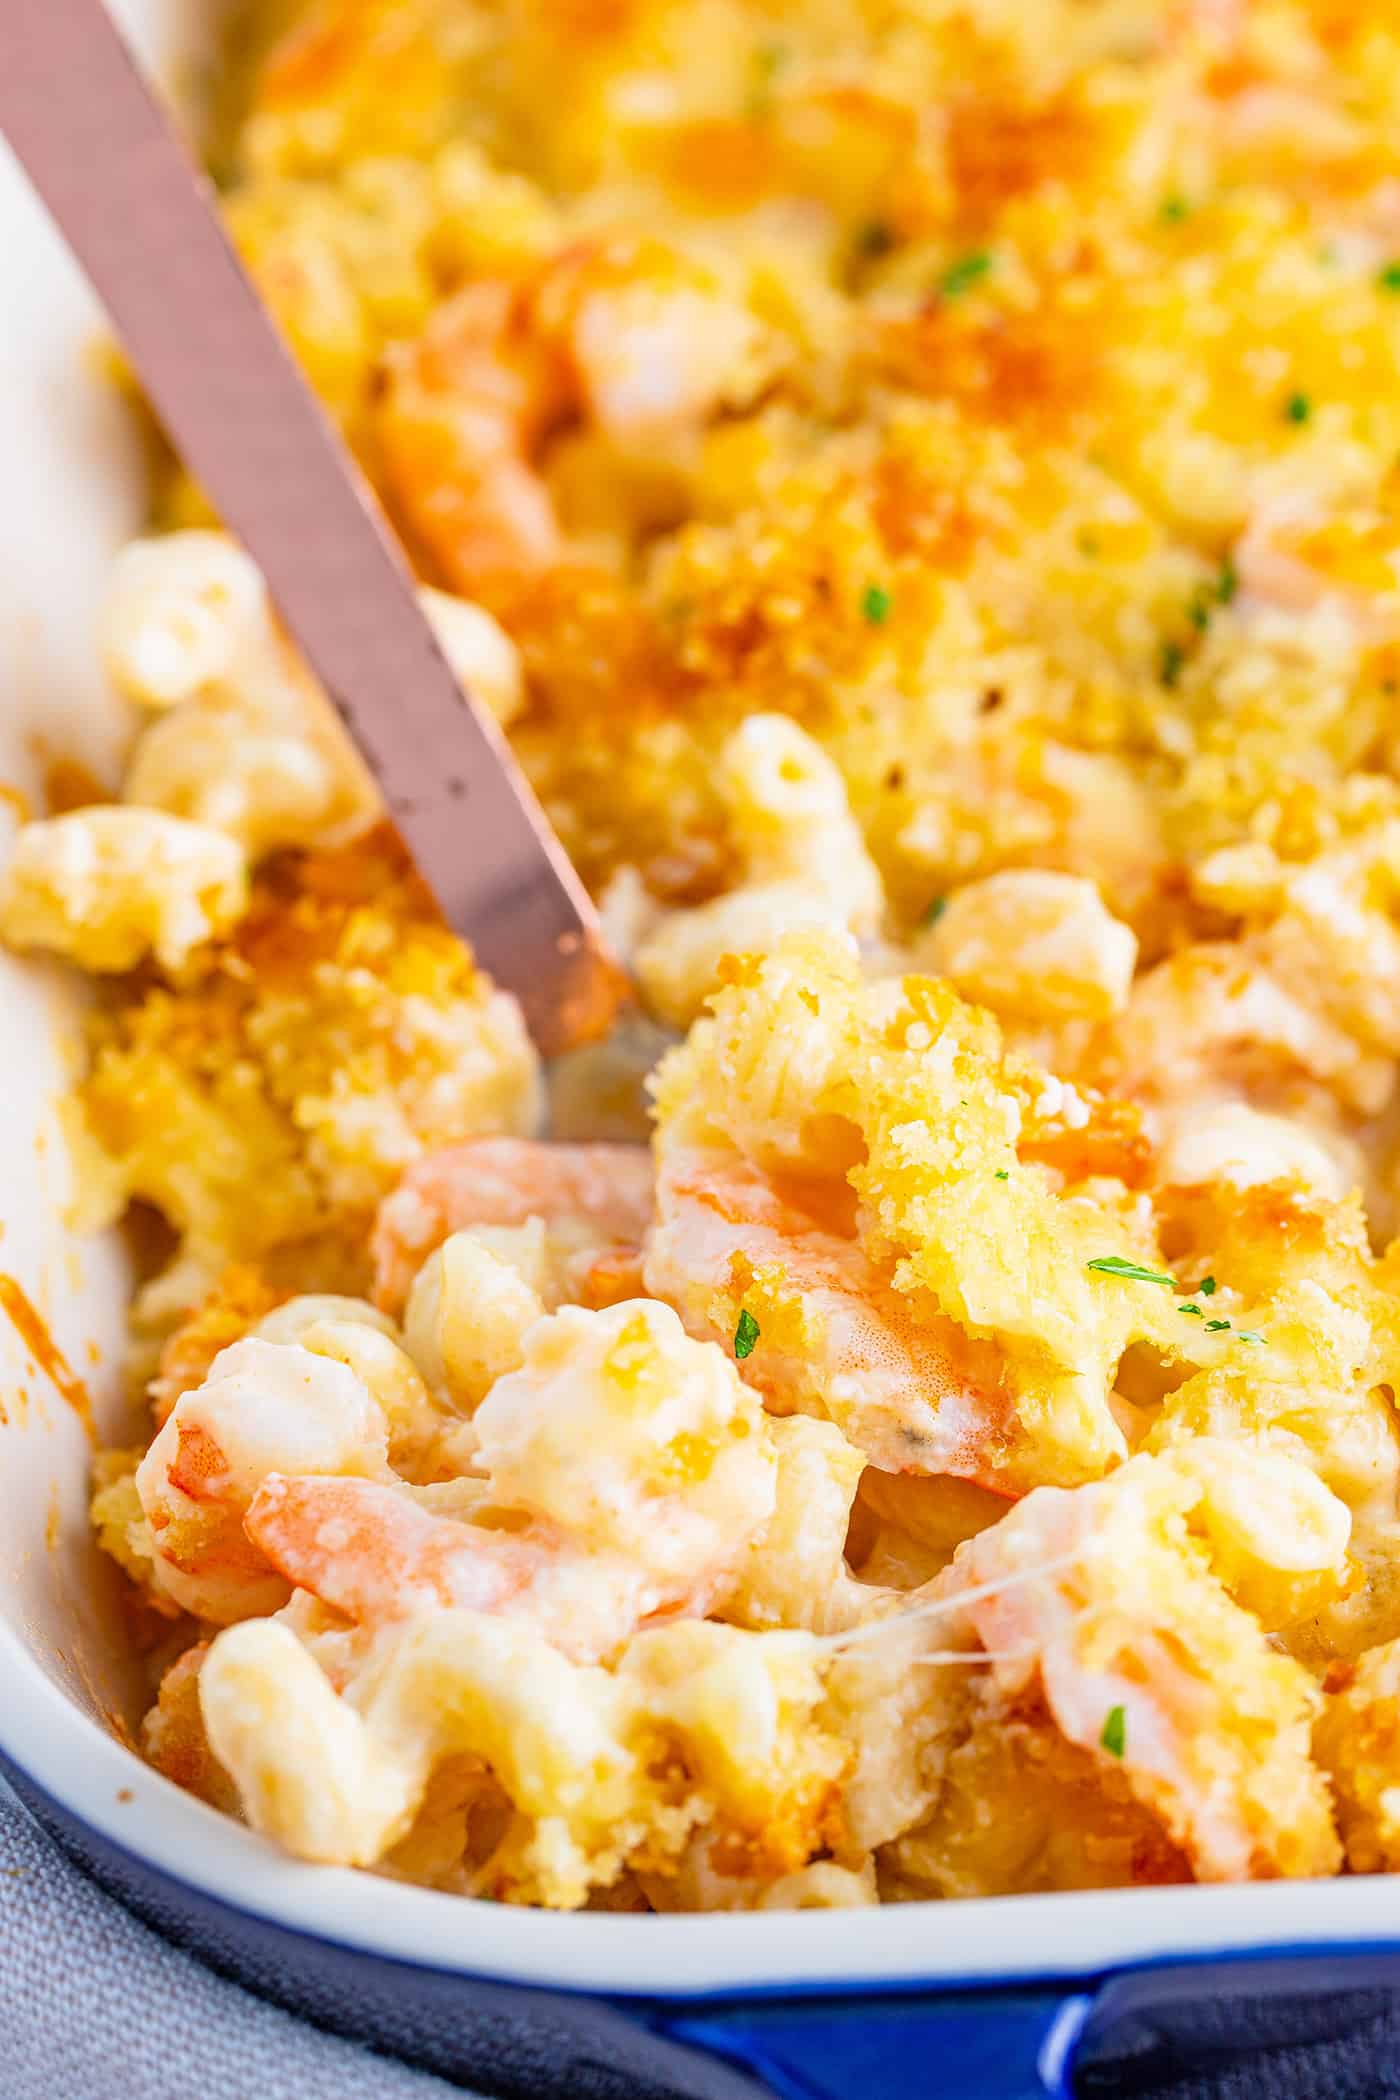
x=141, y=219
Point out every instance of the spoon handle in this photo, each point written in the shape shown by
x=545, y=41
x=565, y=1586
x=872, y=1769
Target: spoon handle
x=140, y=218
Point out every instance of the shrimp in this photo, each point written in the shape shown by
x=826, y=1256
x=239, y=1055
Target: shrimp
x=1292, y=559
x=629, y=335
x=1242, y=1072
x=1123, y=1614
x=369, y=1551
x=1208, y=1018
x=631, y=1465
x=595, y=1200
x=1261, y=1059
x=265, y=1407
x=914, y=1393
x=465, y=406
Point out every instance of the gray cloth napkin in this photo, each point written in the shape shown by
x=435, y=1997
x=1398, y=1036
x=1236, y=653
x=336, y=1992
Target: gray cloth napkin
x=96, y=2006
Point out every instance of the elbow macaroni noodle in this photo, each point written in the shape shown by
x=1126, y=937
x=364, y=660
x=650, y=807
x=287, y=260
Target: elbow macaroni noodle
x=107, y=887
x=805, y=864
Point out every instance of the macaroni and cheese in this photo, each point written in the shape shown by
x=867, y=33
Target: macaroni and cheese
x=917, y=483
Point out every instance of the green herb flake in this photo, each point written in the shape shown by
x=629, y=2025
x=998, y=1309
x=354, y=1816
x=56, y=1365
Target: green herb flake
x=1115, y=1731
x=1133, y=1271
x=876, y=604
x=1173, y=658
x=1298, y=408
x=1198, y=611
x=1207, y=1287
x=1003, y=1173
x=1174, y=209
x=1247, y=1334
x=959, y=277
x=1227, y=583
x=1216, y=1326
x=745, y=1334
x=1195, y=1311
x=933, y=911
x=1389, y=278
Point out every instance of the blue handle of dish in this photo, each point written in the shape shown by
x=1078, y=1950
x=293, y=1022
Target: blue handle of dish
x=1004, y=2045
x=1023, y=2044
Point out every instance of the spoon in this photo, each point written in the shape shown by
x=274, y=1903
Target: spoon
x=141, y=219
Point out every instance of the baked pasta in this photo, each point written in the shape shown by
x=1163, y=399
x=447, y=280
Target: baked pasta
x=916, y=481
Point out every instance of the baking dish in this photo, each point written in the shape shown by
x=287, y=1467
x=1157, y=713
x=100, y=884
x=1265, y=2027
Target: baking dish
x=994, y=1998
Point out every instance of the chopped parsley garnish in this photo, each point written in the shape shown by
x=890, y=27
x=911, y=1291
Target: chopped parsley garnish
x=1216, y=1326
x=1203, y=601
x=1172, y=660
x=876, y=604
x=933, y=911
x=1389, y=278
x=1119, y=1265
x=1174, y=209
x=1115, y=1731
x=875, y=238
x=960, y=276
x=1003, y=1173
x=1247, y=1334
x=1298, y=408
x=745, y=1334
x=1194, y=1310
x=1207, y=596
x=1207, y=1287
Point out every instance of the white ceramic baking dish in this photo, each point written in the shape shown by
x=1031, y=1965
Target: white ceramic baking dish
x=995, y=1995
